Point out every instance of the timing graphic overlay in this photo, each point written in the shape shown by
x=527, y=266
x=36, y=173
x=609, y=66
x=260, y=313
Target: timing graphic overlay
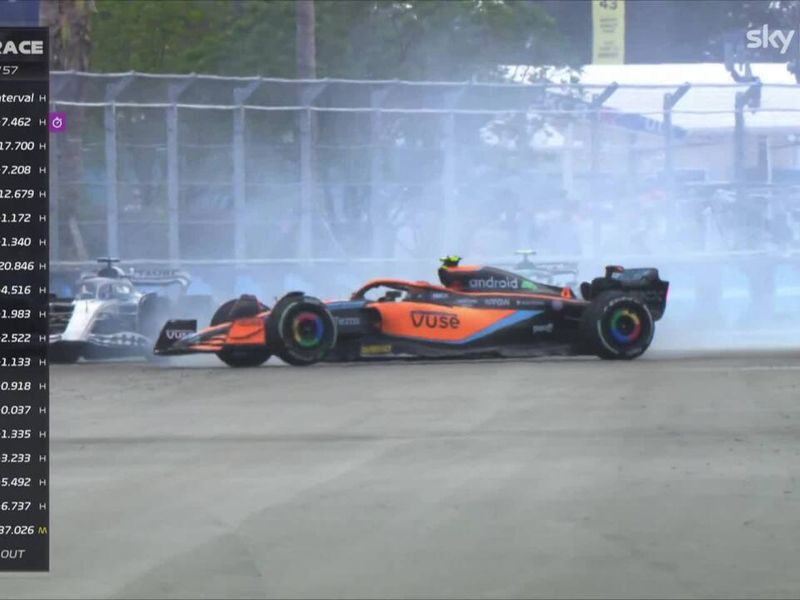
x=24, y=249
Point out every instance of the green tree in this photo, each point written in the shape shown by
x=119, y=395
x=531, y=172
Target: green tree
x=433, y=40
x=70, y=47
x=377, y=39
x=199, y=36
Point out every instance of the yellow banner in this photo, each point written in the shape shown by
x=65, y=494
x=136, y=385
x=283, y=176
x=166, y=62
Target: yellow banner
x=608, y=32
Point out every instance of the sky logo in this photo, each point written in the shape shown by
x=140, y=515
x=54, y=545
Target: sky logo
x=764, y=38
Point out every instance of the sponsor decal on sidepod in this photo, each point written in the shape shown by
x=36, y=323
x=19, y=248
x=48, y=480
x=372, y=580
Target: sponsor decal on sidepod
x=348, y=321
x=500, y=283
x=434, y=320
x=497, y=302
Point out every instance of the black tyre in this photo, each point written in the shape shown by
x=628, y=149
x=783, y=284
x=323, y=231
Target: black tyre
x=240, y=308
x=617, y=326
x=301, y=329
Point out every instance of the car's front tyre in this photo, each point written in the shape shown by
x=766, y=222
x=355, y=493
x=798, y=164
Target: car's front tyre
x=241, y=308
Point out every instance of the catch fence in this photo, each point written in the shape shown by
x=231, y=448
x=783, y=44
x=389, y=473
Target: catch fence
x=191, y=168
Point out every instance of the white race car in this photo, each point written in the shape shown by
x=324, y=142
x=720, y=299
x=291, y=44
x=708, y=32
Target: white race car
x=116, y=314
x=559, y=273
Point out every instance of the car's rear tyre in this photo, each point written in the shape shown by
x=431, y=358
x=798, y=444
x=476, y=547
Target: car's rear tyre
x=240, y=308
x=301, y=329
x=617, y=326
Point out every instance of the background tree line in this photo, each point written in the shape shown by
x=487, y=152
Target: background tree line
x=359, y=39
x=414, y=39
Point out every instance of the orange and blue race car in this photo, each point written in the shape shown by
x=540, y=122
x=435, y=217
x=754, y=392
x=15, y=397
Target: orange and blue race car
x=473, y=312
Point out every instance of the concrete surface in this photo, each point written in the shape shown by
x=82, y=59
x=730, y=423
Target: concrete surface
x=666, y=477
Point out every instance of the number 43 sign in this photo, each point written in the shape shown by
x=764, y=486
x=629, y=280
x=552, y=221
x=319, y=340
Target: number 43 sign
x=608, y=32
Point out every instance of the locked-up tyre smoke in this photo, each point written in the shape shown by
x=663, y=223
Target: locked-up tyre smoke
x=153, y=312
x=300, y=329
x=240, y=308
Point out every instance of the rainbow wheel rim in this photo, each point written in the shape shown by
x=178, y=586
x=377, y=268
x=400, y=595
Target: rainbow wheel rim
x=307, y=329
x=625, y=326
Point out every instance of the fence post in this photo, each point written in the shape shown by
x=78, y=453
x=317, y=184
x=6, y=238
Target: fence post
x=451, y=232
x=670, y=100
x=173, y=189
x=449, y=229
x=308, y=94
x=377, y=216
x=752, y=98
x=113, y=90
x=306, y=184
x=738, y=140
x=239, y=192
x=240, y=96
x=377, y=208
x=173, y=171
x=594, y=139
x=112, y=206
x=596, y=104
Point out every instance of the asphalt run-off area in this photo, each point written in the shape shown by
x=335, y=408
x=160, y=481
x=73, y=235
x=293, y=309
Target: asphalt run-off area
x=670, y=476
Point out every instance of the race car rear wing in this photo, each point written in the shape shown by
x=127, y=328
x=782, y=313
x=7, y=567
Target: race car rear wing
x=643, y=282
x=159, y=277
x=140, y=277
